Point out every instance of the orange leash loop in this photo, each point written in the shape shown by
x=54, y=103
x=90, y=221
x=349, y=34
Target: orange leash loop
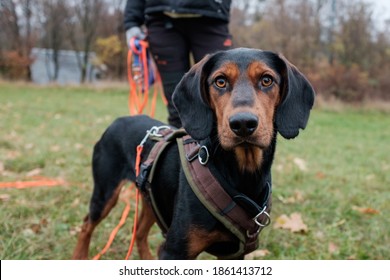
x=138, y=96
x=139, y=90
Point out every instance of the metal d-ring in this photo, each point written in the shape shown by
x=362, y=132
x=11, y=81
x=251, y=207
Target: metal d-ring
x=267, y=222
x=201, y=160
x=259, y=224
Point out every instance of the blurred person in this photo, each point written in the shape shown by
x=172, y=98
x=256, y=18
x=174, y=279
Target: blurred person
x=175, y=29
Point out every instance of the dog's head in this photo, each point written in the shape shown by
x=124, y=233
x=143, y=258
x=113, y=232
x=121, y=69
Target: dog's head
x=246, y=94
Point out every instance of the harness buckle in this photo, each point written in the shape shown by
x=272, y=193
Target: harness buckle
x=142, y=177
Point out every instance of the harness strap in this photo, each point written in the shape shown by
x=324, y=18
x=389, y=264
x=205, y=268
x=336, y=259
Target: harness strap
x=220, y=204
x=238, y=213
x=145, y=178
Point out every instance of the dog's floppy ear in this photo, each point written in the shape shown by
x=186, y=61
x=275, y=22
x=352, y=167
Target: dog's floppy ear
x=190, y=101
x=298, y=99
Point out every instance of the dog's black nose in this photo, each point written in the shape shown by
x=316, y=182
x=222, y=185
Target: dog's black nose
x=243, y=124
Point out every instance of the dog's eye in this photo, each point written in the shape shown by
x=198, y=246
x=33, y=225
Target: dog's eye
x=220, y=82
x=266, y=81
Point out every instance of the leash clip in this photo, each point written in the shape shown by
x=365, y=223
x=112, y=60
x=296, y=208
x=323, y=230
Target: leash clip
x=154, y=131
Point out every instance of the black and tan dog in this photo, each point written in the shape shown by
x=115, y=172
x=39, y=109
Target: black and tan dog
x=239, y=100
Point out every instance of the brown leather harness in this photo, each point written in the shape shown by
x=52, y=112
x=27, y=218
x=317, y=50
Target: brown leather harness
x=243, y=217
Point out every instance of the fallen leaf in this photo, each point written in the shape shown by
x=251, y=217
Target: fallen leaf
x=78, y=146
x=338, y=223
x=333, y=248
x=365, y=210
x=320, y=175
x=44, y=222
x=75, y=202
x=55, y=148
x=75, y=230
x=257, y=254
x=36, y=228
x=301, y=163
x=297, y=197
x=34, y=172
x=294, y=223
x=4, y=197
x=29, y=146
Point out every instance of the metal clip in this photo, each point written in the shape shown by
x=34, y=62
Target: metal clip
x=154, y=131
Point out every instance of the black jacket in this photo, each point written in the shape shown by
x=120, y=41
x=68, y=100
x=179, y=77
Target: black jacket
x=137, y=10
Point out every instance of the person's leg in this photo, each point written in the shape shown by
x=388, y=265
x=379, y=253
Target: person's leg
x=209, y=36
x=171, y=54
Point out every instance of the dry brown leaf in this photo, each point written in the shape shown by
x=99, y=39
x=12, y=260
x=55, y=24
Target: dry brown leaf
x=320, y=175
x=294, y=223
x=257, y=254
x=36, y=228
x=365, y=210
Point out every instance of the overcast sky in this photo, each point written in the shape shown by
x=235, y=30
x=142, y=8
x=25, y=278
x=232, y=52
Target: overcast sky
x=381, y=12
x=381, y=9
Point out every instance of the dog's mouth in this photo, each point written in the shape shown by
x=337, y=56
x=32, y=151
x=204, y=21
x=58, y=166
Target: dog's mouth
x=247, y=143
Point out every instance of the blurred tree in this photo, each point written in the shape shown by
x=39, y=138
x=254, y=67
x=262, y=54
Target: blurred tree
x=54, y=14
x=82, y=30
x=17, y=36
x=109, y=51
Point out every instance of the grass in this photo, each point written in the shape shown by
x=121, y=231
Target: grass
x=338, y=166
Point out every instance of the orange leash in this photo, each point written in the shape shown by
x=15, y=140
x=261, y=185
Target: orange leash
x=137, y=102
x=125, y=214
x=137, y=164
x=139, y=87
x=139, y=81
x=39, y=182
x=114, y=232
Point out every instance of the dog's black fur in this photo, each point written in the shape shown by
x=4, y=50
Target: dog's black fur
x=114, y=155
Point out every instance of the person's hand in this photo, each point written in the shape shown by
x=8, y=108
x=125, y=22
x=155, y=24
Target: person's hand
x=134, y=32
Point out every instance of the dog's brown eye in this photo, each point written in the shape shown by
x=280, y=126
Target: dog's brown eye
x=266, y=81
x=220, y=82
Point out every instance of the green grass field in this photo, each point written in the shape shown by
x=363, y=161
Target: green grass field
x=335, y=175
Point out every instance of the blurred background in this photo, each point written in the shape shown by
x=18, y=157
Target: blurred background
x=342, y=46
x=63, y=80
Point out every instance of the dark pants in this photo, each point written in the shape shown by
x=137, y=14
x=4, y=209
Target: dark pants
x=172, y=40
